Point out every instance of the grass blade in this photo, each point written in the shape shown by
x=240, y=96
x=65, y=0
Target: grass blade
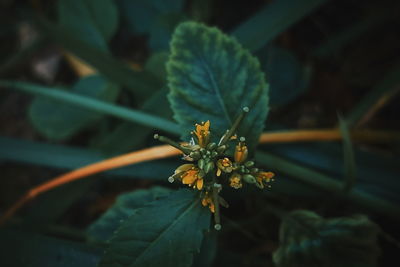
x=96, y=105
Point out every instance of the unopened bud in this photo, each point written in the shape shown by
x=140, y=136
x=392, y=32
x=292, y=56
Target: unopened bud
x=211, y=146
x=221, y=149
x=201, y=163
x=249, y=164
x=209, y=167
x=250, y=179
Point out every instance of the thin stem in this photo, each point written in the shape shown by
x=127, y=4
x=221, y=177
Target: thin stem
x=313, y=135
x=172, y=143
x=234, y=127
x=215, y=192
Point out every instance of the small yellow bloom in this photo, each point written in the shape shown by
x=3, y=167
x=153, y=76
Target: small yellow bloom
x=190, y=175
x=264, y=177
x=240, y=152
x=202, y=133
x=236, y=181
x=207, y=201
x=224, y=165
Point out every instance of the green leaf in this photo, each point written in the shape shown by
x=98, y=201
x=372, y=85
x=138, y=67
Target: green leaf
x=143, y=83
x=58, y=120
x=211, y=77
x=127, y=136
x=94, y=105
x=166, y=232
x=348, y=155
x=306, y=239
x=162, y=29
x=141, y=14
x=33, y=250
x=287, y=77
x=94, y=21
x=125, y=206
x=328, y=184
x=272, y=20
x=49, y=206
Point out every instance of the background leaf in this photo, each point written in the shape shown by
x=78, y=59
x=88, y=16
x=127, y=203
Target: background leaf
x=166, y=232
x=287, y=77
x=307, y=239
x=27, y=249
x=141, y=14
x=57, y=120
x=211, y=77
x=124, y=207
x=93, y=21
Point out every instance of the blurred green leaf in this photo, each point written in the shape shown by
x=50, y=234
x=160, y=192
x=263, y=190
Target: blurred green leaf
x=125, y=206
x=33, y=250
x=156, y=64
x=386, y=87
x=58, y=120
x=94, y=105
x=94, y=21
x=328, y=184
x=208, y=251
x=211, y=77
x=143, y=84
x=162, y=29
x=66, y=157
x=141, y=14
x=287, y=77
x=348, y=155
x=272, y=20
x=166, y=232
x=51, y=205
x=127, y=136
x=307, y=239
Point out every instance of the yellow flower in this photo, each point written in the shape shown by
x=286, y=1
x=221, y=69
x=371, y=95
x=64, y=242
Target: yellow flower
x=202, y=133
x=235, y=181
x=264, y=177
x=240, y=152
x=224, y=165
x=190, y=175
x=207, y=201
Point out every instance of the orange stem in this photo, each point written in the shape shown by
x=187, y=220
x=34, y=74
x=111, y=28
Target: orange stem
x=143, y=155
x=164, y=151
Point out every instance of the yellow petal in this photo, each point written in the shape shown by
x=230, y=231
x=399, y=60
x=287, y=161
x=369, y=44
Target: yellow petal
x=218, y=172
x=200, y=184
x=189, y=177
x=212, y=207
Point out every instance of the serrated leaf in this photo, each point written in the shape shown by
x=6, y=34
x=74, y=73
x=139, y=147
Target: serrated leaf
x=211, y=77
x=166, y=232
x=57, y=120
x=93, y=21
x=125, y=206
x=306, y=239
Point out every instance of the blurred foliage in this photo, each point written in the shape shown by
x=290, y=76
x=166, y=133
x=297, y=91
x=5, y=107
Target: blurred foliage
x=307, y=239
x=150, y=63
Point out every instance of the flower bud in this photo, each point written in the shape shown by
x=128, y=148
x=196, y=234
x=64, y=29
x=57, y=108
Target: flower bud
x=249, y=164
x=221, y=149
x=209, y=167
x=201, y=163
x=250, y=179
x=211, y=146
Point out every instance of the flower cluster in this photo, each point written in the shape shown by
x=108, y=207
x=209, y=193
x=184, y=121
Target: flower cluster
x=210, y=165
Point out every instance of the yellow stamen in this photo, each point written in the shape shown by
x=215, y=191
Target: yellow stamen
x=241, y=152
x=202, y=133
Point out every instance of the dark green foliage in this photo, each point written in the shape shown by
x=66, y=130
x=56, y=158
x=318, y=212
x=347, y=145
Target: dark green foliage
x=93, y=21
x=57, y=120
x=211, y=77
x=166, y=232
x=287, y=77
x=125, y=206
x=19, y=249
x=306, y=239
